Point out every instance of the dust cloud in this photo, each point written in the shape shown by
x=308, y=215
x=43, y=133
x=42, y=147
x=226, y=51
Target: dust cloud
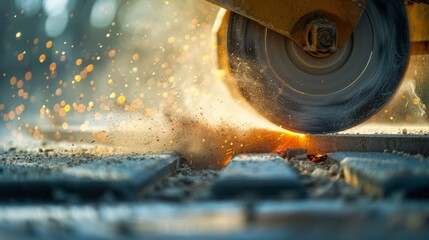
x=208, y=126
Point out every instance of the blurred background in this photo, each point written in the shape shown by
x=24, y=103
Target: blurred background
x=65, y=61
x=139, y=73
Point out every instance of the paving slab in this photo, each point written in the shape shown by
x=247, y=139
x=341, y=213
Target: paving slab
x=384, y=174
x=329, y=143
x=261, y=175
x=55, y=177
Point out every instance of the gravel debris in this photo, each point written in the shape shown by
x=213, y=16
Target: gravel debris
x=318, y=172
x=296, y=153
x=187, y=185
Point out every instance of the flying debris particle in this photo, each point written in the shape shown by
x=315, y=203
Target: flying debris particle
x=58, y=91
x=81, y=108
x=78, y=62
x=53, y=67
x=136, y=57
x=61, y=112
x=112, y=53
x=13, y=81
x=49, y=44
x=19, y=109
x=77, y=78
x=83, y=74
x=20, y=56
x=20, y=84
x=57, y=135
x=67, y=108
x=42, y=58
x=28, y=76
x=89, y=68
x=121, y=100
x=21, y=92
x=11, y=115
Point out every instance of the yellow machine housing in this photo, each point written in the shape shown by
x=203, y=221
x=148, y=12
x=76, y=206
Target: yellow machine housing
x=290, y=17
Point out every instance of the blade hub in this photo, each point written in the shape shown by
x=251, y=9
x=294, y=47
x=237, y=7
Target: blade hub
x=320, y=37
x=307, y=62
x=305, y=74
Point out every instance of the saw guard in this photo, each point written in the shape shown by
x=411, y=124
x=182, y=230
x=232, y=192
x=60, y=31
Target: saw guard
x=290, y=17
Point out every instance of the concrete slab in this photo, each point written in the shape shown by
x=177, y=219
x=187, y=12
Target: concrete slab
x=329, y=143
x=383, y=174
x=44, y=176
x=261, y=175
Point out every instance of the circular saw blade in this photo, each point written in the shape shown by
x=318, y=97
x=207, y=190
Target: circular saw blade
x=320, y=95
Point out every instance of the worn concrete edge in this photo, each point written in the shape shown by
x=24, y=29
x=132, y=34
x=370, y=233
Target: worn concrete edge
x=329, y=143
x=407, y=184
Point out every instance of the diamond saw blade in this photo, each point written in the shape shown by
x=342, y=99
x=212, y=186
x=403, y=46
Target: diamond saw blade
x=306, y=94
